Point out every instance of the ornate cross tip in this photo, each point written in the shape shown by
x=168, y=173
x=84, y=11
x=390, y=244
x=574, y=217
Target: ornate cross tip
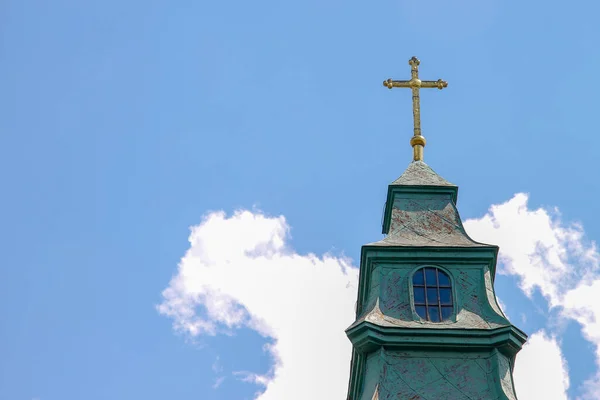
x=415, y=84
x=441, y=84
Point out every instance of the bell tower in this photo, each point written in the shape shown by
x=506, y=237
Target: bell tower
x=428, y=325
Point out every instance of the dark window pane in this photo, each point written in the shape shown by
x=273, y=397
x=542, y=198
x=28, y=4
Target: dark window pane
x=446, y=296
x=432, y=296
x=443, y=279
x=421, y=311
x=434, y=314
x=446, y=313
x=430, y=278
x=419, y=295
x=418, y=277
x=432, y=290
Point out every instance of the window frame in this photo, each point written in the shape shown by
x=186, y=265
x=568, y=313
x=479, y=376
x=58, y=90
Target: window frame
x=424, y=286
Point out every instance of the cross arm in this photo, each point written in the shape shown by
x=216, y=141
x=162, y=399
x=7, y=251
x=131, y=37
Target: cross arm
x=415, y=83
x=440, y=84
x=402, y=84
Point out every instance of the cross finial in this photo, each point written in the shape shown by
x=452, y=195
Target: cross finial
x=418, y=140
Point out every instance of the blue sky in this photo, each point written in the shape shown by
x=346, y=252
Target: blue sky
x=126, y=123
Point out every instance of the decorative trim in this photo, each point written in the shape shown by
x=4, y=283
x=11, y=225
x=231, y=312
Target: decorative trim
x=367, y=337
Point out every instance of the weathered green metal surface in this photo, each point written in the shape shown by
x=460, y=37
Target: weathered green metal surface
x=389, y=298
x=421, y=174
x=398, y=355
x=437, y=375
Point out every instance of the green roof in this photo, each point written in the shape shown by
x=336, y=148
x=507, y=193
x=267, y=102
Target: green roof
x=420, y=174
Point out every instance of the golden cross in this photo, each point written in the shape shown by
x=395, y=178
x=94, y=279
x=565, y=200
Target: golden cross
x=418, y=140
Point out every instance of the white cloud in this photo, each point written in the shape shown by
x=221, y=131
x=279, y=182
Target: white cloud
x=216, y=367
x=583, y=305
x=239, y=272
x=535, y=246
x=555, y=258
x=540, y=370
x=245, y=376
x=218, y=382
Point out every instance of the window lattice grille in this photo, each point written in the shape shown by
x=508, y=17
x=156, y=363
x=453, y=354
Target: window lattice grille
x=432, y=292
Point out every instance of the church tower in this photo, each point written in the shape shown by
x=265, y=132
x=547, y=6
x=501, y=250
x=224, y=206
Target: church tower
x=428, y=326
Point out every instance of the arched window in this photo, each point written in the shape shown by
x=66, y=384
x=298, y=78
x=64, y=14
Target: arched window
x=432, y=294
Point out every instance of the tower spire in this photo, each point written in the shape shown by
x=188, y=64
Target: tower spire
x=428, y=324
x=418, y=140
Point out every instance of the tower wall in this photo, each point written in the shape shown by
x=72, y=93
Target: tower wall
x=475, y=303
x=416, y=375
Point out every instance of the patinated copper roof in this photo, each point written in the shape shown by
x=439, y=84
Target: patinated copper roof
x=419, y=173
x=423, y=212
